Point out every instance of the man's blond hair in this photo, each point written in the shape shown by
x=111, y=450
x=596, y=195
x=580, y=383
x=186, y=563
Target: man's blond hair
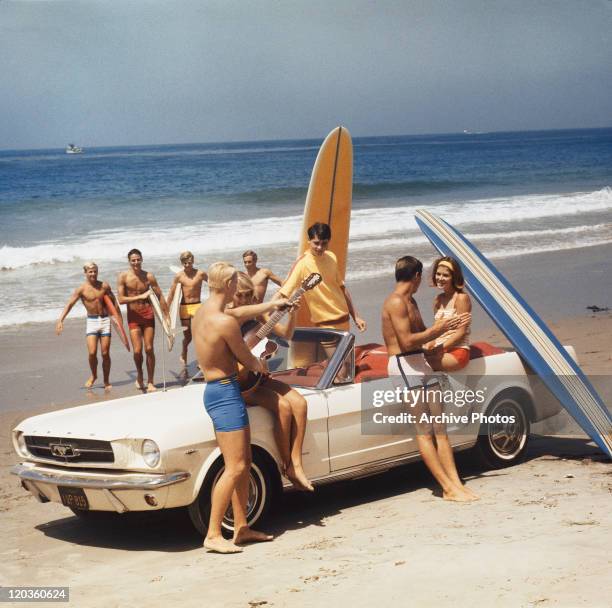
x=89, y=265
x=219, y=274
x=185, y=255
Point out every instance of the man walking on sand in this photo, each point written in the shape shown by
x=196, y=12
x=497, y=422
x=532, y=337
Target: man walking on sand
x=189, y=280
x=259, y=276
x=405, y=334
x=219, y=346
x=97, y=329
x=133, y=290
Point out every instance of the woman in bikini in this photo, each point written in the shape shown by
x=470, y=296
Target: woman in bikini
x=287, y=405
x=451, y=351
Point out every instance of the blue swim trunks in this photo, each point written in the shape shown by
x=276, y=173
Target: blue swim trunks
x=225, y=405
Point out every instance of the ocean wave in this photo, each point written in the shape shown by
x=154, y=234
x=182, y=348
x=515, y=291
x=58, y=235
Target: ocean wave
x=407, y=188
x=36, y=315
x=477, y=218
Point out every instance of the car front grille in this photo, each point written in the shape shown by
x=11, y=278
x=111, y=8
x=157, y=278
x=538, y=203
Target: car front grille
x=70, y=450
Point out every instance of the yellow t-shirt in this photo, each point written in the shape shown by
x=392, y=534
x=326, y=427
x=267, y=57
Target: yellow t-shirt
x=326, y=301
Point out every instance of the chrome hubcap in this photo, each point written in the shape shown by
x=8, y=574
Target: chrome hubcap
x=507, y=438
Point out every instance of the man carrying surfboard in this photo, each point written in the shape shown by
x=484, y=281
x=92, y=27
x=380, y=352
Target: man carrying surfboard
x=259, y=276
x=98, y=330
x=189, y=280
x=134, y=287
x=405, y=334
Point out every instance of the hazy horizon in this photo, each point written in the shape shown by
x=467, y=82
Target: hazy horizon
x=313, y=138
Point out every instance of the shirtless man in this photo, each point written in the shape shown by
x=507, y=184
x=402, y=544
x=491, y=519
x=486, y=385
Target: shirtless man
x=190, y=280
x=405, y=334
x=92, y=293
x=259, y=276
x=133, y=290
x=219, y=346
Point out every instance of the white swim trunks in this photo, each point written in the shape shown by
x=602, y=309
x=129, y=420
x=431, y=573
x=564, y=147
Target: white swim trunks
x=411, y=370
x=98, y=325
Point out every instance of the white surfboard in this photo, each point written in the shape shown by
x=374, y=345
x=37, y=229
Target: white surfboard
x=175, y=316
x=160, y=317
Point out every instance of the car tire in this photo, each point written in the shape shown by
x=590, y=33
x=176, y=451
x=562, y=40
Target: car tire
x=264, y=489
x=503, y=444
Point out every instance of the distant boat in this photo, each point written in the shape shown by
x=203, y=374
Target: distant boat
x=72, y=149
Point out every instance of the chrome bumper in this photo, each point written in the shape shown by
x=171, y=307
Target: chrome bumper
x=122, y=481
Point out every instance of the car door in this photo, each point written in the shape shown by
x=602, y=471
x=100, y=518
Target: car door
x=354, y=438
x=315, y=452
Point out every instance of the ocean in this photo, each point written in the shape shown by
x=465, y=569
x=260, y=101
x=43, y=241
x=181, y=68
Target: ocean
x=511, y=193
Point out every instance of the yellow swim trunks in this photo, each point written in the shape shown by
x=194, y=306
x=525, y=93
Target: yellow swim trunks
x=188, y=310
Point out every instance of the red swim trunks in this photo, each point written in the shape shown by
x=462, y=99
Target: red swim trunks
x=142, y=318
x=461, y=354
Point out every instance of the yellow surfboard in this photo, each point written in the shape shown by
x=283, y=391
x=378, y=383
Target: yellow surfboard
x=330, y=194
x=329, y=200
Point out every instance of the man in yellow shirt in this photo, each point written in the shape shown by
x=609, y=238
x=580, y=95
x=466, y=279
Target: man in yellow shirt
x=330, y=304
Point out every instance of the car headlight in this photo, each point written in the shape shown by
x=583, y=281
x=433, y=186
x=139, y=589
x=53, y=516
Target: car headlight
x=20, y=444
x=150, y=452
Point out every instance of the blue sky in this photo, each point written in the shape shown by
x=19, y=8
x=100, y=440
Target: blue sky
x=125, y=72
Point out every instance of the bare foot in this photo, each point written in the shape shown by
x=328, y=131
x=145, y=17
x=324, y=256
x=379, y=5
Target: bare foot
x=220, y=545
x=107, y=386
x=90, y=382
x=151, y=387
x=297, y=477
x=139, y=385
x=246, y=535
x=457, y=495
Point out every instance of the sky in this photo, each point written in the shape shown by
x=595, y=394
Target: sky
x=136, y=72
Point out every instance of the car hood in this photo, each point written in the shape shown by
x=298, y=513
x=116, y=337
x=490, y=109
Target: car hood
x=154, y=416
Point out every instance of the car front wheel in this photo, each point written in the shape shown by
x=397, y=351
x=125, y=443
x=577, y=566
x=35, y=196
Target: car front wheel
x=501, y=444
x=264, y=485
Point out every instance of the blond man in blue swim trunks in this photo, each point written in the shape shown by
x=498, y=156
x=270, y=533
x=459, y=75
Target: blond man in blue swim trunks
x=190, y=280
x=219, y=347
x=97, y=328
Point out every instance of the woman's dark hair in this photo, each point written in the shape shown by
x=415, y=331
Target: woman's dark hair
x=407, y=268
x=319, y=230
x=453, y=265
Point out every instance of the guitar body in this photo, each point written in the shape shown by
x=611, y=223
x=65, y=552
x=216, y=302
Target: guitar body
x=255, y=335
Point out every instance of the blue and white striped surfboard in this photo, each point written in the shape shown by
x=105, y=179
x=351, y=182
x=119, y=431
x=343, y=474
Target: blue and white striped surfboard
x=525, y=330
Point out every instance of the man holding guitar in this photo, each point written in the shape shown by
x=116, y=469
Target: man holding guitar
x=219, y=346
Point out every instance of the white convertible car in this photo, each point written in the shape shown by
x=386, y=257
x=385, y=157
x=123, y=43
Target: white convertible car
x=158, y=451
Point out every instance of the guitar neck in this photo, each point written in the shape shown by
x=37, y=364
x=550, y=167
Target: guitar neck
x=266, y=329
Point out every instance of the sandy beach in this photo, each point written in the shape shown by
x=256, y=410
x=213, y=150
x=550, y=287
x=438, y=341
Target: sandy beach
x=538, y=537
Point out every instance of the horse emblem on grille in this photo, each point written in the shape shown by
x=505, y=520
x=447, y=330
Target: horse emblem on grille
x=63, y=450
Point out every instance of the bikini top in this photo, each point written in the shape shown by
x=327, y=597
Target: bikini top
x=447, y=312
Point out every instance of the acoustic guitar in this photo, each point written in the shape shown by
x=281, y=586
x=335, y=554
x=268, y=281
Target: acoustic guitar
x=247, y=379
